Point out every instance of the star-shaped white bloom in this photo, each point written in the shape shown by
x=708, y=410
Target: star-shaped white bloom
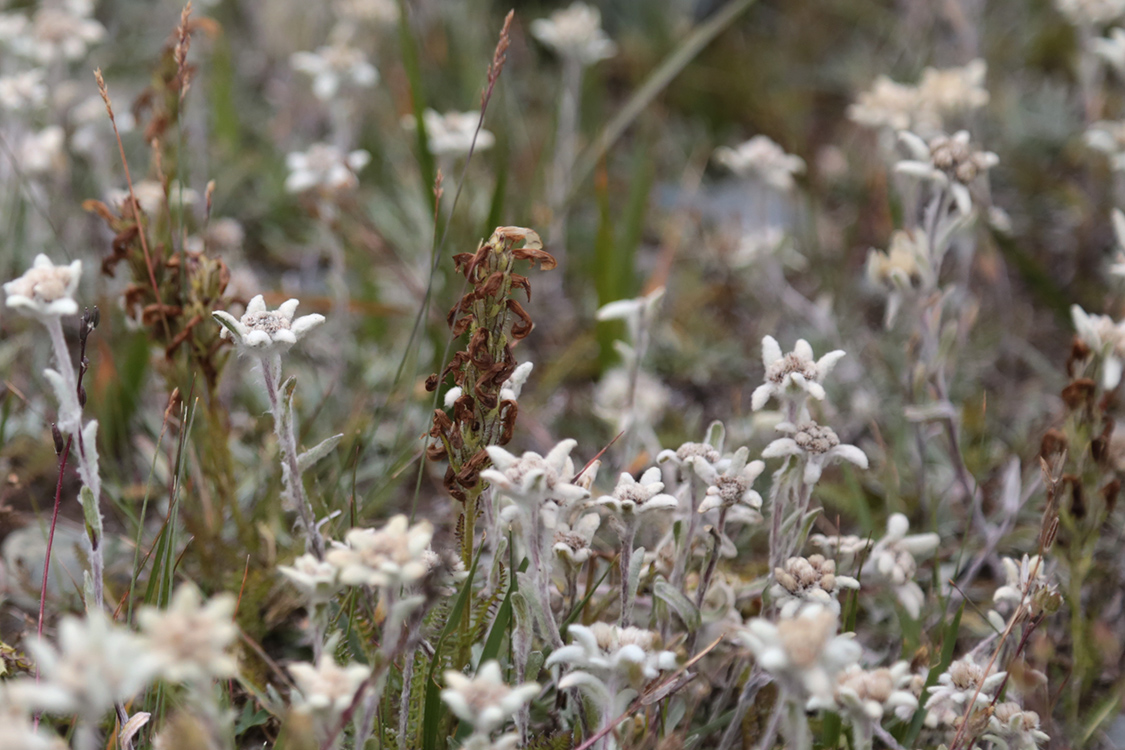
x=763, y=158
x=394, y=555
x=634, y=497
x=327, y=688
x=865, y=695
x=575, y=32
x=192, y=639
x=573, y=543
x=485, y=701
x=949, y=161
x=318, y=580
x=45, y=290
x=324, y=167
x=1025, y=579
x=1012, y=728
x=792, y=374
x=892, y=561
x=817, y=444
x=692, y=456
x=452, y=134
x=261, y=331
x=612, y=654
x=535, y=478
x=805, y=580
x=964, y=681
x=333, y=65
x=734, y=485
x=1106, y=339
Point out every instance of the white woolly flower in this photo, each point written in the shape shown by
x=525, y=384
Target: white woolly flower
x=151, y=197
x=1025, y=579
x=24, y=90
x=638, y=313
x=633, y=497
x=17, y=731
x=607, y=657
x=324, y=167
x=762, y=158
x=734, y=486
x=792, y=375
x=576, y=33
x=452, y=134
x=805, y=580
x=261, y=331
x=334, y=65
x=1106, y=339
x=687, y=457
x=318, y=580
x=1091, y=12
x=45, y=290
x=892, y=561
x=61, y=32
x=192, y=640
x=391, y=556
x=485, y=701
x=887, y=105
x=803, y=653
x=964, y=681
x=1012, y=728
x=94, y=665
x=1108, y=136
x=950, y=90
x=817, y=445
x=42, y=152
x=848, y=545
x=1111, y=49
x=326, y=688
x=949, y=161
x=573, y=542
x=940, y=92
x=381, y=12
x=511, y=388
x=865, y=695
x=534, y=478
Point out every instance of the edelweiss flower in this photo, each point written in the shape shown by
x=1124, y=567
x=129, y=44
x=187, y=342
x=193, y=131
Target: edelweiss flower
x=191, y=639
x=485, y=701
x=1091, y=12
x=849, y=545
x=572, y=543
x=576, y=33
x=734, y=486
x=151, y=197
x=18, y=733
x=94, y=665
x=865, y=695
x=317, y=579
x=638, y=313
x=817, y=445
x=632, y=497
x=325, y=168
x=950, y=90
x=892, y=561
x=806, y=580
x=42, y=152
x=62, y=32
x=763, y=158
x=794, y=374
x=263, y=331
x=534, y=478
x=383, y=12
x=947, y=160
x=1027, y=575
x=452, y=134
x=803, y=653
x=1109, y=138
x=964, y=680
x=327, y=688
x=1106, y=339
x=614, y=656
x=904, y=265
x=333, y=65
x=22, y=91
x=1012, y=728
x=391, y=556
x=1112, y=50
x=888, y=105
x=45, y=290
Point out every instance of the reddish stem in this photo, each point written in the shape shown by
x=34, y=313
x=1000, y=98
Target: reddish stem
x=50, y=542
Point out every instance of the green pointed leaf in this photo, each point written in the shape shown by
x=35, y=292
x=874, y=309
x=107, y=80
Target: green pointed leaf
x=306, y=460
x=679, y=603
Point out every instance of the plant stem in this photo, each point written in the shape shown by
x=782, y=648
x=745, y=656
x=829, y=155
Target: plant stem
x=712, y=563
x=626, y=564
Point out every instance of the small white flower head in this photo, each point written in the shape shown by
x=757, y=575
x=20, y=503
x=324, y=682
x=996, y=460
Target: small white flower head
x=573, y=543
x=905, y=265
x=947, y=160
x=1026, y=581
x=956, y=689
x=151, y=197
x=511, y=388
x=794, y=375
x=318, y=580
x=327, y=689
x=17, y=731
x=452, y=134
x=638, y=313
x=379, y=12
x=1106, y=339
x=1012, y=728
x=805, y=580
x=263, y=332
x=45, y=290
x=734, y=486
x=613, y=654
x=947, y=91
x=865, y=695
x=485, y=701
x=887, y=104
x=692, y=456
x=23, y=91
x=846, y=545
x=61, y=32
x=1111, y=49
x=817, y=445
x=394, y=555
x=42, y=152
x=575, y=33
x=804, y=653
x=94, y=665
x=192, y=640
x=1108, y=137
x=1091, y=12
x=892, y=561
x=335, y=65
x=532, y=478
x=325, y=168
x=762, y=158
x=631, y=497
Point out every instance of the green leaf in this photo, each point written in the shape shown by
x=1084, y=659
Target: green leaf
x=679, y=603
x=306, y=460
